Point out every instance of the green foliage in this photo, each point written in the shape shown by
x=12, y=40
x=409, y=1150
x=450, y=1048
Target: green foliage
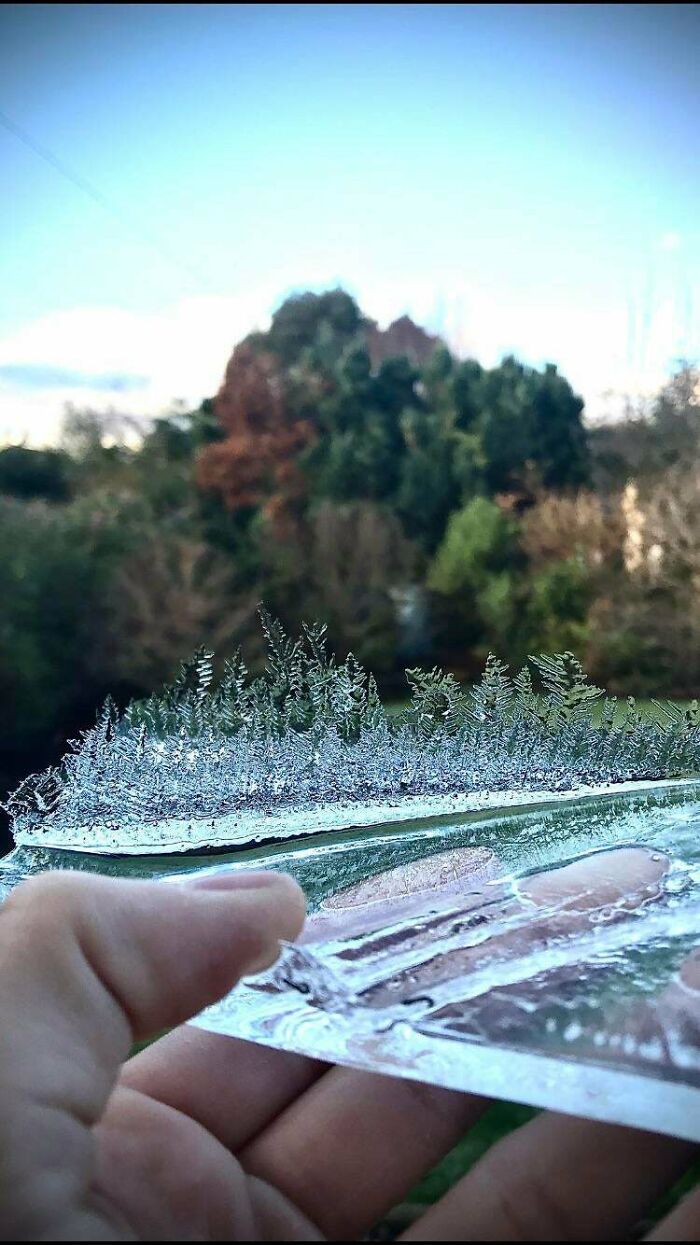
x=54, y=571
x=477, y=568
x=479, y=541
x=559, y=600
x=531, y=419
x=430, y=485
x=29, y=474
x=308, y=321
x=423, y=441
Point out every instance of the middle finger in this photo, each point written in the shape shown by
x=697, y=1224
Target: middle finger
x=231, y=1087
x=355, y=1143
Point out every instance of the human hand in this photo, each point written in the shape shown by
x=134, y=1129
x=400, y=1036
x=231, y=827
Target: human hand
x=205, y=1137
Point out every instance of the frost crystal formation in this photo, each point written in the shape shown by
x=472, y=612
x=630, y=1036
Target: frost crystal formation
x=228, y=762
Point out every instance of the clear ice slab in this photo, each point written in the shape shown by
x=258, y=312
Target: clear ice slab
x=546, y=955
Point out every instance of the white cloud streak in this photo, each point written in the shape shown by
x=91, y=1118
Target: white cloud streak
x=182, y=349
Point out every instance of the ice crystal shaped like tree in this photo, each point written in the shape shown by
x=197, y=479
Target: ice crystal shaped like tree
x=211, y=762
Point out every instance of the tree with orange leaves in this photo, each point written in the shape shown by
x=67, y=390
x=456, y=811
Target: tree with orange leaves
x=256, y=463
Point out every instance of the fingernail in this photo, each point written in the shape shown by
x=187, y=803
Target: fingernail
x=246, y=880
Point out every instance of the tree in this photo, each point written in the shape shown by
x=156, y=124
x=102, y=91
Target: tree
x=468, y=387
x=255, y=464
x=579, y=525
x=559, y=448
x=429, y=489
x=308, y=320
x=358, y=561
x=675, y=417
x=360, y=446
x=559, y=598
x=479, y=541
x=529, y=420
x=477, y=569
x=56, y=563
x=652, y=437
x=27, y=473
x=170, y=595
x=504, y=426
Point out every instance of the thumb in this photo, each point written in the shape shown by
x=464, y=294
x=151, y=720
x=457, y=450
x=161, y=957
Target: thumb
x=88, y=965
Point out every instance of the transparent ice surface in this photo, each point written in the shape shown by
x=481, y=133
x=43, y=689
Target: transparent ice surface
x=545, y=955
x=504, y=881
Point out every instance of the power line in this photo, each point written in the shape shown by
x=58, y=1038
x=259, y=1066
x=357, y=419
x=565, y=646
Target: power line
x=81, y=183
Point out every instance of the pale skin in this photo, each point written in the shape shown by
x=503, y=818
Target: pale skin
x=203, y=1137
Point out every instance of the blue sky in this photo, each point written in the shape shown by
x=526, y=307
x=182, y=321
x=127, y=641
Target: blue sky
x=522, y=178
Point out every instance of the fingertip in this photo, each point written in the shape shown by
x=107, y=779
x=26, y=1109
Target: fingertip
x=259, y=909
x=612, y=875
x=266, y=885
x=286, y=904
x=294, y=898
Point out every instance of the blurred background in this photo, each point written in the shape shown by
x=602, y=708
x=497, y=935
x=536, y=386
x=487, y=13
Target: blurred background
x=382, y=315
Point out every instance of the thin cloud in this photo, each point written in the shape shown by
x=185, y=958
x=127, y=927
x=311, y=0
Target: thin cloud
x=47, y=376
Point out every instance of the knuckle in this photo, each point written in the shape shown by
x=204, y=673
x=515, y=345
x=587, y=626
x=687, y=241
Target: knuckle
x=528, y=1208
x=42, y=902
x=437, y=1106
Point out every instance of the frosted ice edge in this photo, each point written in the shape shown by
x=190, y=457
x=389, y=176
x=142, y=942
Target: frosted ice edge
x=250, y=827
x=309, y=741
x=610, y=1095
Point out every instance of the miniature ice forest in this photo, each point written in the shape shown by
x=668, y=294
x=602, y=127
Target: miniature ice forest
x=224, y=760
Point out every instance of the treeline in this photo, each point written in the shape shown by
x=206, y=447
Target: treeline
x=427, y=508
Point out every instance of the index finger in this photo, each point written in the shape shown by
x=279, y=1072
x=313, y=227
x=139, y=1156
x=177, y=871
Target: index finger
x=232, y=1088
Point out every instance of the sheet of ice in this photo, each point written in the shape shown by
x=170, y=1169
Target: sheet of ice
x=545, y=954
x=249, y=826
x=548, y=957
